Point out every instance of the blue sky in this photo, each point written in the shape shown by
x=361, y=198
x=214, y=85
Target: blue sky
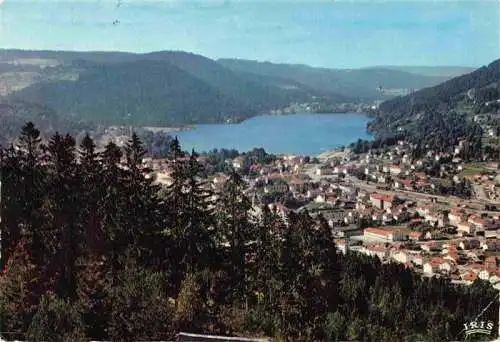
x=337, y=34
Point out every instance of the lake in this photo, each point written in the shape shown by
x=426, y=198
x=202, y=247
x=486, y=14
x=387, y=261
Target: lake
x=300, y=134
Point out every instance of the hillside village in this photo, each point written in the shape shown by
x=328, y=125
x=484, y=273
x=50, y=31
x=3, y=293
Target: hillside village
x=436, y=215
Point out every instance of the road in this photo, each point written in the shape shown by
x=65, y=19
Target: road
x=416, y=196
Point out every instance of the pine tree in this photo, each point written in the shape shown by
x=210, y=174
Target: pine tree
x=22, y=191
x=141, y=309
x=111, y=203
x=174, y=150
x=188, y=304
x=190, y=218
x=142, y=207
x=197, y=223
x=11, y=202
x=95, y=284
x=18, y=291
x=56, y=320
x=94, y=269
x=65, y=187
x=91, y=174
x=174, y=195
x=265, y=279
x=235, y=226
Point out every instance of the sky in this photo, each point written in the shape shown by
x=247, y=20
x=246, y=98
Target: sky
x=334, y=34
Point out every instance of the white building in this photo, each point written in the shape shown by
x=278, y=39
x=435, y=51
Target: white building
x=386, y=234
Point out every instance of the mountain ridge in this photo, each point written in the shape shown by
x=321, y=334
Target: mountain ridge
x=464, y=108
x=177, y=87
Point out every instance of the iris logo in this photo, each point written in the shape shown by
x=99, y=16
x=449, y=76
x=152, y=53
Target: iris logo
x=478, y=327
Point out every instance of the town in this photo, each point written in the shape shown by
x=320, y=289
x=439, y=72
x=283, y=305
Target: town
x=437, y=215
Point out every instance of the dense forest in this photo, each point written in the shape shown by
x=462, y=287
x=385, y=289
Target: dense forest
x=359, y=83
x=444, y=96
x=437, y=118
x=175, y=87
x=433, y=131
x=14, y=114
x=91, y=248
x=143, y=93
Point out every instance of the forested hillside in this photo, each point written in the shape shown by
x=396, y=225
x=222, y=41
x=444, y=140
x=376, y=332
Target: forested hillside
x=14, y=114
x=363, y=84
x=161, y=89
x=441, y=115
x=259, y=92
x=175, y=87
x=91, y=249
x=448, y=95
x=149, y=93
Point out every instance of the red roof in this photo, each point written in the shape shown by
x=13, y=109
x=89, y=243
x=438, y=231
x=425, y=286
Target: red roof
x=415, y=234
x=377, y=231
x=381, y=197
x=456, y=211
x=275, y=176
x=377, y=248
x=477, y=220
x=406, y=182
x=436, y=261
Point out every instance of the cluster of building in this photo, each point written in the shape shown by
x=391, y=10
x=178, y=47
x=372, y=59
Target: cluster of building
x=461, y=261
x=384, y=204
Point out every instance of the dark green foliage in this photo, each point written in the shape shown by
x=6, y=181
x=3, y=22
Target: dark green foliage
x=162, y=89
x=63, y=189
x=176, y=88
x=236, y=229
x=56, y=320
x=363, y=146
x=138, y=93
x=140, y=308
x=15, y=113
x=437, y=118
x=335, y=326
x=445, y=94
x=18, y=291
x=190, y=220
x=219, y=160
x=94, y=250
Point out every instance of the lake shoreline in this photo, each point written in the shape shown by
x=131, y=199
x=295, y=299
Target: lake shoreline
x=189, y=127
x=294, y=134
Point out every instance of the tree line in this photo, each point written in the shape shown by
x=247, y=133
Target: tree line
x=436, y=118
x=91, y=248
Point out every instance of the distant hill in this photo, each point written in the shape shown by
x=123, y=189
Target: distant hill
x=433, y=71
x=138, y=92
x=364, y=84
x=448, y=95
x=161, y=88
x=175, y=87
x=67, y=56
x=14, y=114
x=462, y=107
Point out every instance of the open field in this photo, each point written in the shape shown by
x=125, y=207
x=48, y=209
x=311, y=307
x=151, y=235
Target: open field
x=473, y=169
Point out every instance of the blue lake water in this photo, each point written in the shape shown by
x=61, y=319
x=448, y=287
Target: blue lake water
x=301, y=134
